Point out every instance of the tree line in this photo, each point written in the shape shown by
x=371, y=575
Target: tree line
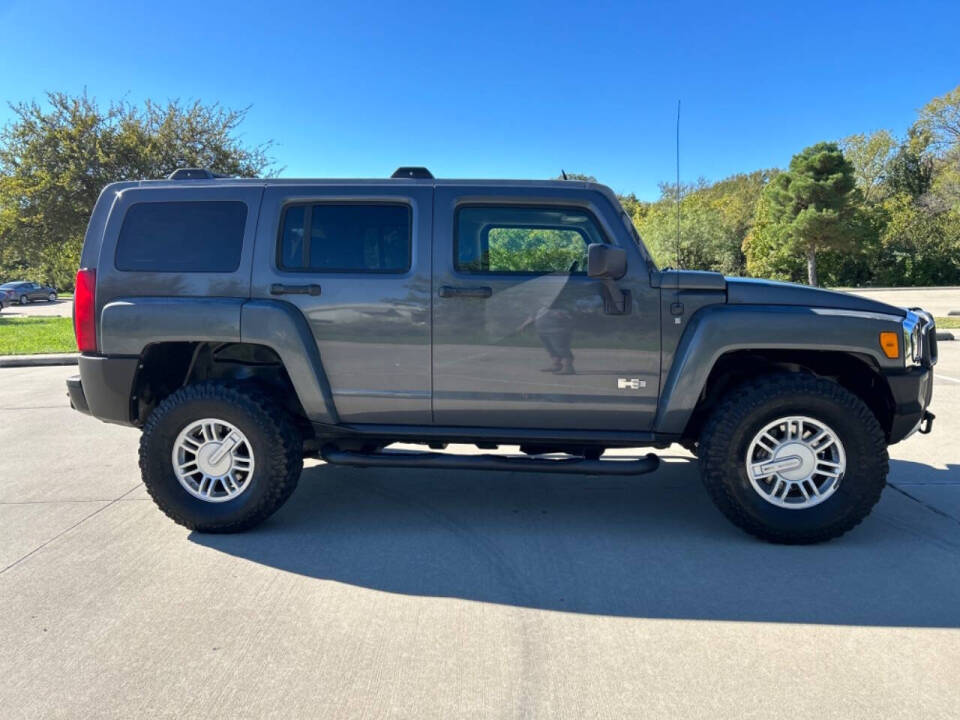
x=57, y=157
x=871, y=209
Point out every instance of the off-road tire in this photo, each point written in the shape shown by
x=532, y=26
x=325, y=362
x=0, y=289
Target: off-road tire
x=745, y=410
x=274, y=439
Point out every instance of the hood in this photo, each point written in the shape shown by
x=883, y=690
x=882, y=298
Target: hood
x=750, y=291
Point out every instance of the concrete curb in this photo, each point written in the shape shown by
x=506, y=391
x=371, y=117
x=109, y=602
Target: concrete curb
x=38, y=360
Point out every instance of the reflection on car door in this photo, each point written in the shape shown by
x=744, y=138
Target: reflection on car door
x=522, y=337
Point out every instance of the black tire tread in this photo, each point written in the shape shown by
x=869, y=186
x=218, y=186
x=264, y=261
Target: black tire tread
x=286, y=447
x=737, y=405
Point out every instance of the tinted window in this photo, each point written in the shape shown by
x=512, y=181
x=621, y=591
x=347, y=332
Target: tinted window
x=346, y=238
x=182, y=237
x=524, y=240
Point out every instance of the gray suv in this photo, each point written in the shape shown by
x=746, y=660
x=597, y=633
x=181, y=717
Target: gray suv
x=245, y=324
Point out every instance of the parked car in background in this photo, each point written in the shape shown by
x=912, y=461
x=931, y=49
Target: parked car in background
x=23, y=292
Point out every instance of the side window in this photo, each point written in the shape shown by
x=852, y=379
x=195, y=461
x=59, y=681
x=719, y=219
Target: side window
x=524, y=239
x=353, y=237
x=200, y=236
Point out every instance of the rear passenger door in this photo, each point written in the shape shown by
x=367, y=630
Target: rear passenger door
x=355, y=260
x=522, y=337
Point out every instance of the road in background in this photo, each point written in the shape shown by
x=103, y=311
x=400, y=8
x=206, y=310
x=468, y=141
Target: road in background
x=429, y=594
x=939, y=301
x=57, y=308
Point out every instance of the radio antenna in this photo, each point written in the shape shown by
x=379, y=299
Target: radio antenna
x=678, y=184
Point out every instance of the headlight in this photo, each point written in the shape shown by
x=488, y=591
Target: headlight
x=912, y=339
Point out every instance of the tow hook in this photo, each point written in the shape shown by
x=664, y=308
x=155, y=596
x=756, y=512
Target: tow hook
x=926, y=422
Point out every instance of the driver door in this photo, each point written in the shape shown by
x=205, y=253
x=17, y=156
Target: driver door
x=521, y=336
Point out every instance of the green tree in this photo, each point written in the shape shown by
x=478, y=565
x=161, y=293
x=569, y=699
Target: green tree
x=56, y=158
x=910, y=170
x=870, y=155
x=805, y=209
x=941, y=119
x=714, y=220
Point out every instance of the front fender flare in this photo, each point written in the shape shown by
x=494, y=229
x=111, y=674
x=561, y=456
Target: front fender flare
x=720, y=329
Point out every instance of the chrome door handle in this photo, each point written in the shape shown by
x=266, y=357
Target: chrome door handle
x=472, y=292
x=281, y=289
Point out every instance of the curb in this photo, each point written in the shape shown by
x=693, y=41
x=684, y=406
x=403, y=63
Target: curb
x=945, y=336
x=38, y=360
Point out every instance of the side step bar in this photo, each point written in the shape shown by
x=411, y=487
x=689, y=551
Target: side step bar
x=445, y=461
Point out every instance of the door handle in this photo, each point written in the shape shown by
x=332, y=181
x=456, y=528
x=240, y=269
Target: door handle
x=472, y=292
x=281, y=289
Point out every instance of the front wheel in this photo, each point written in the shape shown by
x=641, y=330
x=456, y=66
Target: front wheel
x=793, y=458
x=52, y=297
x=220, y=458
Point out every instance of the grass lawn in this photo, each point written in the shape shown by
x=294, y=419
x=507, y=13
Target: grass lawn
x=948, y=323
x=28, y=336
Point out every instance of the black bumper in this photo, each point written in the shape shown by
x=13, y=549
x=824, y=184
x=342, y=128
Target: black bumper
x=104, y=388
x=911, y=392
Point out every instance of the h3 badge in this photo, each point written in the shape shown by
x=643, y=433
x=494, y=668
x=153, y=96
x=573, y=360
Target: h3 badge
x=630, y=383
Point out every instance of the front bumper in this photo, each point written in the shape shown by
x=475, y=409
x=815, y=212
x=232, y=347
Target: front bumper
x=911, y=392
x=104, y=388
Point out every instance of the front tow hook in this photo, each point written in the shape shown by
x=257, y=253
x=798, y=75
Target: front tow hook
x=926, y=422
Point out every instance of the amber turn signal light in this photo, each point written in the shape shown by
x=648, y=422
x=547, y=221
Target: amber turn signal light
x=890, y=344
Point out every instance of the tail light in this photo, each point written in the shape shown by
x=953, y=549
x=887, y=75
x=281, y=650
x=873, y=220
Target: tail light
x=84, y=315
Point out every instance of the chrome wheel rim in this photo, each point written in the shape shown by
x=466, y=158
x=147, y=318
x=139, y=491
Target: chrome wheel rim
x=796, y=462
x=213, y=460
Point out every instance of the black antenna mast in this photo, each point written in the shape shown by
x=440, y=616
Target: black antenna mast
x=678, y=184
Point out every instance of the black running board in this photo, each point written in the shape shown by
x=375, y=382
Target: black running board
x=445, y=461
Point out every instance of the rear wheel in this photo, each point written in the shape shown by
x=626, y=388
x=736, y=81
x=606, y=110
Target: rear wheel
x=23, y=300
x=220, y=458
x=793, y=458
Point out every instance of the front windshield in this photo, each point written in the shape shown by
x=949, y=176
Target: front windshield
x=637, y=239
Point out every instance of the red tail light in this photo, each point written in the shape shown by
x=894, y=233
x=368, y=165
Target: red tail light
x=84, y=316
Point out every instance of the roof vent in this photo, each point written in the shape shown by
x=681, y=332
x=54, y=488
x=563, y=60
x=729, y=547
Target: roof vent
x=420, y=173
x=192, y=174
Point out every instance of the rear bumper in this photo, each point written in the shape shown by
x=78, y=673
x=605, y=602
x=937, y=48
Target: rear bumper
x=104, y=388
x=911, y=392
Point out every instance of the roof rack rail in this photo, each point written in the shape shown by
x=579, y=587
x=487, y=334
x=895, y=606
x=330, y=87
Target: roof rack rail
x=193, y=174
x=420, y=173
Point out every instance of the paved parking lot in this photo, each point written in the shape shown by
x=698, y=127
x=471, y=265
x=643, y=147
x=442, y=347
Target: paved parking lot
x=415, y=594
x=57, y=308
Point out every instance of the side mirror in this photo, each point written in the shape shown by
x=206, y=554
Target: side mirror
x=606, y=261
x=608, y=264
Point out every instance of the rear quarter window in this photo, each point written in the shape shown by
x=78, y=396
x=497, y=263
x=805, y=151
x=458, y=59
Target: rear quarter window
x=200, y=236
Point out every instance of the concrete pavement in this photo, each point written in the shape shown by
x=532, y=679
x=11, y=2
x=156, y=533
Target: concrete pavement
x=57, y=308
x=939, y=301
x=410, y=594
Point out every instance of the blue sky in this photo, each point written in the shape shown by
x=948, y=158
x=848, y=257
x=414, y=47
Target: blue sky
x=512, y=89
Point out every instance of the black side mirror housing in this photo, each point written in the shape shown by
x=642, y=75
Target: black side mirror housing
x=608, y=264
x=606, y=261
